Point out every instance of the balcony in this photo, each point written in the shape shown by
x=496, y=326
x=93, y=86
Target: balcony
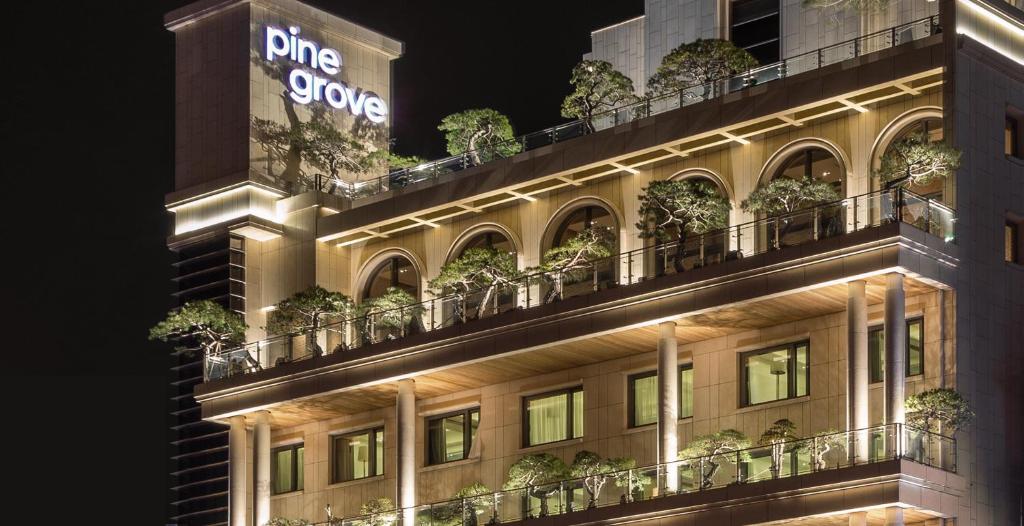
x=725, y=252
x=885, y=461
x=436, y=170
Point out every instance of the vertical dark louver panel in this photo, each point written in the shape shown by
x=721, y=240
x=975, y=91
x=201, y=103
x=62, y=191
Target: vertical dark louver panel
x=754, y=25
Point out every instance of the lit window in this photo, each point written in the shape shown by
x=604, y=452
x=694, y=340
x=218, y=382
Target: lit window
x=1011, y=134
x=915, y=350
x=450, y=437
x=643, y=396
x=776, y=373
x=1011, y=242
x=552, y=417
x=286, y=472
x=358, y=455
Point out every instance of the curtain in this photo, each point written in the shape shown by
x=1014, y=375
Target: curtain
x=686, y=392
x=645, y=400
x=547, y=418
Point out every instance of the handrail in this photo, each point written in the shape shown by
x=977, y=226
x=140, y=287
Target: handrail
x=645, y=107
x=621, y=269
x=823, y=452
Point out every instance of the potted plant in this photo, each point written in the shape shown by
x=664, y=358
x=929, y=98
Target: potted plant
x=783, y=196
x=535, y=473
x=823, y=442
x=481, y=134
x=378, y=512
x=914, y=160
x=707, y=453
x=305, y=311
x=701, y=62
x=204, y=326
x=477, y=269
x=596, y=87
x=674, y=209
x=632, y=482
x=777, y=437
x=395, y=310
x=940, y=411
x=573, y=259
x=596, y=472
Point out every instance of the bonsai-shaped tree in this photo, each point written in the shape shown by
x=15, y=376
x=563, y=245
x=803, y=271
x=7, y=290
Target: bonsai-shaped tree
x=777, y=436
x=632, y=482
x=916, y=160
x=783, y=195
x=325, y=147
x=482, y=134
x=378, y=512
x=476, y=269
x=596, y=472
x=475, y=499
x=536, y=470
x=206, y=326
x=281, y=521
x=708, y=452
x=306, y=310
x=596, y=87
x=823, y=442
x=394, y=310
x=938, y=410
x=674, y=209
x=574, y=258
x=699, y=62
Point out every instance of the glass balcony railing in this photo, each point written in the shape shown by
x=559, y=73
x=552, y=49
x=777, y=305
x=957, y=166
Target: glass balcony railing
x=619, y=270
x=646, y=107
x=824, y=452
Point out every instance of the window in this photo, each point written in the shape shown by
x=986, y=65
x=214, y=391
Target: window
x=643, y=396
x=1011, y=242
x=774, y=374
x=915, y=350
x=553, y=416
x=393, y=272
x=286, y=472
x=450, y=437
x=358, y=455
x=1011, y=134
x=755, y=28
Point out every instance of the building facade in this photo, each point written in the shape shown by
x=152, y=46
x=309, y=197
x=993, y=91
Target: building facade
x=828, y=317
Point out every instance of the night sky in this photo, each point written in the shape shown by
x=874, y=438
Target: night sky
x=88, y=122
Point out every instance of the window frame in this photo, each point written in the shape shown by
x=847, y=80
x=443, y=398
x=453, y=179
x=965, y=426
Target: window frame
x=1012, y=139
x=877, y=359
x=371, y=454
x=297, y=483
x=570, y=416
x=631, y=395
x=790, y=373
x=1011, y=233
x=467, y=433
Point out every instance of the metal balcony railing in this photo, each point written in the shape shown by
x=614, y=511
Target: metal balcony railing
x=824, y=452
x=646, y=107
x=618, y=270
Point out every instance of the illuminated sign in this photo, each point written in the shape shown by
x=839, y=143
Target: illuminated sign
x=305, y=87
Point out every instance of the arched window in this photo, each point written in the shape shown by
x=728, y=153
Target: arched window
x=487, y=239
x=931, y=127
x=603, y=272
x=810, y=221
x=395, y=271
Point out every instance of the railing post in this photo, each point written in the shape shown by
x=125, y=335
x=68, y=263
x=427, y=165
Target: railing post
x=700, y=253
x=854, y=214
x=819, y=58
x=629, y=266
x=856, y=47
x=892, y=37
x=775, y=228
x=815, y=215
x=928, y=215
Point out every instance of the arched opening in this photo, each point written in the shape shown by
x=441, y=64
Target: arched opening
x=393, y=271
x=497, y=300
x=590, y=218
x=699, y=250
x=809, y=220
x=928, y=124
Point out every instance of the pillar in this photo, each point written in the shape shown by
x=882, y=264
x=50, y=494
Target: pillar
x=668, y=401
x=893, y=515
x=407, y=448
x=895, y=348
x=857, y=367
x=236, y=475
x=261, y=446
x=859, y=518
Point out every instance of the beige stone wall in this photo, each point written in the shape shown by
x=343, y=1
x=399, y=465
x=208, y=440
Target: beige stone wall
x=855, y=136
x=716, y=390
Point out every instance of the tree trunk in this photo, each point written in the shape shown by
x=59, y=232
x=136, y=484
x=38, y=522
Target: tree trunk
x=677, y=261
x=484, y=301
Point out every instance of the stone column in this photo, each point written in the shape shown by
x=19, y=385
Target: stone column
x=857, y=367
x=859, y=518
x=895, y=347
x=407, y=448
x=668, y=402
x=236, y=476
x=261, y=447
x=893, y=515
